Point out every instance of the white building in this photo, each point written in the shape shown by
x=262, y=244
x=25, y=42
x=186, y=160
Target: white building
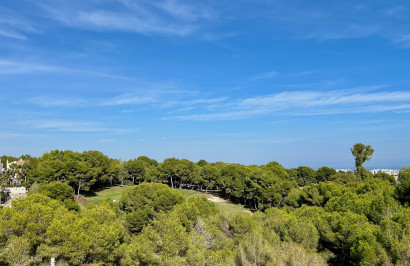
x=344, y=170
x=393, y=172
x=15, y=180
x=19, y=162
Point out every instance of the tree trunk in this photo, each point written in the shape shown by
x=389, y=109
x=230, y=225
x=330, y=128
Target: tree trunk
x=79, y=187
x=172, y=183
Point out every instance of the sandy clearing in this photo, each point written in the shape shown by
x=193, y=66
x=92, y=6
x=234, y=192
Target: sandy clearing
x=216, y=199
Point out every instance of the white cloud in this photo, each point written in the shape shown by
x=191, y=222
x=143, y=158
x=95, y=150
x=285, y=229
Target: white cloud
x=128, y=99
x=300, y=103
x=289, y=103
x=122, y=22
x=162, y=99
x=168, y=17
x=15, y=135
x=9, y=67
x=184, y=11
x=399, y=12
x=124, y=111
x=12, y=67
x=403, y=40
x=14, y=26
x=12, y=34
x=265, y=75
x=191, y=102
x=106, y=140
x=334, y=20
x=347, y=32
x=312, y=98
x=122, y=99
x=235, y=115
x=66, y=125
x=47, y=101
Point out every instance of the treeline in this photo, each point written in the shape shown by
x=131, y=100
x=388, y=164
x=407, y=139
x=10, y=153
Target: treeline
x=302, y=216
x=258, y=187
x=174, y=232
x=358, y=223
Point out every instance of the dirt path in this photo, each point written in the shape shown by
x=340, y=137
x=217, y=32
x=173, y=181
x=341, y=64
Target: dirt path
x=215, y=198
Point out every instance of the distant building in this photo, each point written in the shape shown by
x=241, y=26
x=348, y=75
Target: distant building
x=19, y=162
x=16, y=178
x=1, y=169
x=16, y=190
x=393, y=172
x=344, y=170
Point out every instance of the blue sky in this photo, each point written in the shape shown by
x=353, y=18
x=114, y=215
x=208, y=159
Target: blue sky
x=298, y=82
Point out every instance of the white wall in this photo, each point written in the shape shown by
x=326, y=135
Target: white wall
x=17, y=190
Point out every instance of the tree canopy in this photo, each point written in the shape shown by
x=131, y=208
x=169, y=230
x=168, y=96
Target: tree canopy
x=361, y=153
x=301, y=216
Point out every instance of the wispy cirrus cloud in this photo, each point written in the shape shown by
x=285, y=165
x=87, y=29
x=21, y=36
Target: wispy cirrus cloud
x=5, y=134
x=68, y=126
x=162, y=99
x=184, y=11
x=11, y=67
x=8, y=67
x=210, y=103
x=169, y=17
x=265, y=75
x=11, y=33
x=122, y=99
x=129, y=99
x=332, y=21
x=15, y=26
x=48, y=101
x=352, y=31
x=313, y=98
x=290, y=103
x=329, y=21
x=302, y=103
x=403, y=40
x=399, y=12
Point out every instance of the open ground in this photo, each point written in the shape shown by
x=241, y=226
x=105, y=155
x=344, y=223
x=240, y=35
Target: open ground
x=115, y=193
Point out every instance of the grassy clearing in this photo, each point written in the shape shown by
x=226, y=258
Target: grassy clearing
x=232, y=208
x=189, y=193
x=115, y=193
x=96, y=197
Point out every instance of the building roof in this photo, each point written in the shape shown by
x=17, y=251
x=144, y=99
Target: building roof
x=20, y=162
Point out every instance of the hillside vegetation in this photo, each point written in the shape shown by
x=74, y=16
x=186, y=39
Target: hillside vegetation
x=301, y=216
x=115, y=193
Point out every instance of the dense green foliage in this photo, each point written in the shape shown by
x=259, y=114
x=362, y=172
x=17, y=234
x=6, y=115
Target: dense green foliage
x=59, y=191
x=361, y=153
x=259, y=187
x=302, y=216
x=403, y=188
x=142, y=202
